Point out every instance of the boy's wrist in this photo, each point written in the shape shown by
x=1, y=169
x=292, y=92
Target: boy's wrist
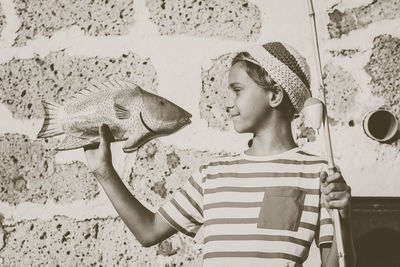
x=104, y=171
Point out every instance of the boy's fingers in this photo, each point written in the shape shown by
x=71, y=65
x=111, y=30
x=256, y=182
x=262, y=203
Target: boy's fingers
x=323, y=175
x=334, y=187
x=341, y=195
x=335, y=177
x=337, y=204
x=327, y=179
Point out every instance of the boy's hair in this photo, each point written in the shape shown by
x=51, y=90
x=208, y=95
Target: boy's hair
x=260, y=76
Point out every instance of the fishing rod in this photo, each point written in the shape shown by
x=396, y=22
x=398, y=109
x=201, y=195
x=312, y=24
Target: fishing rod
x=318, y=115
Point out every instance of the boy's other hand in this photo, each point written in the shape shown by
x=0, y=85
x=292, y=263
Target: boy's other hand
x=98, y=156
x=336, y=193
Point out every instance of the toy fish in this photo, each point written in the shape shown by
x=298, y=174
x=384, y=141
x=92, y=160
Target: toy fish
x=131, y=113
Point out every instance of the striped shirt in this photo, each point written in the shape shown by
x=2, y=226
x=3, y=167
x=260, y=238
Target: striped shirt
x=256, y=210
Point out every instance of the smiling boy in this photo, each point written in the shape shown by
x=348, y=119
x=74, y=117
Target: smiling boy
x=263, y=207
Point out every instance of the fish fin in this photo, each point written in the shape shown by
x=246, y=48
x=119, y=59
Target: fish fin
x=51, y=124
x=121, y=112
x=71, y=142
x=101, y=87
x=117, y=85
x=113, y=85
x=134, y=143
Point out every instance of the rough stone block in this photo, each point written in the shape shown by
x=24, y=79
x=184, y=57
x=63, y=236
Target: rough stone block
x=156, y=174
x=359, y=17
x=29, y=172
x=344, y=52
x=95, y=17
x=2, y=20
x=2, y=233
x=67, y=242
x=341, y=91
x=384, y=69
x=164, y=170
x=232, y=19
x=63, y=241
x=57, y=77
x=166, y=248
x=303, y=133
x=214, y=94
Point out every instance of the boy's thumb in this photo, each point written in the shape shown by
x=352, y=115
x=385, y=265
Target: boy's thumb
x=105, y=135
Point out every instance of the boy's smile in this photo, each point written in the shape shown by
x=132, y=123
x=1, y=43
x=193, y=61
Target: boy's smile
x=248, y=102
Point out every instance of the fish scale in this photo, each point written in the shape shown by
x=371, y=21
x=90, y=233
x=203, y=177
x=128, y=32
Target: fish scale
x=131, y=113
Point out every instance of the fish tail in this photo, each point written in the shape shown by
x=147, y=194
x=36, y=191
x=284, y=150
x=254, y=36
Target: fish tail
x=51, y=125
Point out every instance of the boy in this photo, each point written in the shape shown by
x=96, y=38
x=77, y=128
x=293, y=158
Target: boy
x=260, y=208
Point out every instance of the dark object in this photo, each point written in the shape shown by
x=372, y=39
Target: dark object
x=376, y=231
x=380, y=125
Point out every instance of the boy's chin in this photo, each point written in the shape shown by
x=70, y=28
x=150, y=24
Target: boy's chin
x=241, y=130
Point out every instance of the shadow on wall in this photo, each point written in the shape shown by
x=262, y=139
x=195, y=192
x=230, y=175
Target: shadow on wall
x=379, y=248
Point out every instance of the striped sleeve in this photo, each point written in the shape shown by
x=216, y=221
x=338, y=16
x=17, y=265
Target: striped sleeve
x=184, y=211
x=325, y=229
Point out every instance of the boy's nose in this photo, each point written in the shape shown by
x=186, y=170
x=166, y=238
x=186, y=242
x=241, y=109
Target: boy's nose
x=230, y=102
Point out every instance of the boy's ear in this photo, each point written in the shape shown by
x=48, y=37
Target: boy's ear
x=276, y=96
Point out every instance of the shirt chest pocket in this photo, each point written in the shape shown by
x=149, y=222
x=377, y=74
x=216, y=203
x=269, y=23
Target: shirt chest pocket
x=281, y=209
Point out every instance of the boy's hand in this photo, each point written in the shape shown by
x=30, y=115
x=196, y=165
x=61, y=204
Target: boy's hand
x=336, y=193
x=98, y=156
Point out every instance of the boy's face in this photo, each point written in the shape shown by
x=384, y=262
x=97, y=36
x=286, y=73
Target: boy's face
x=248, y=103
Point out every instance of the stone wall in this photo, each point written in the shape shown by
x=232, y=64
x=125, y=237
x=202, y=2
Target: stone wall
x=52, y=210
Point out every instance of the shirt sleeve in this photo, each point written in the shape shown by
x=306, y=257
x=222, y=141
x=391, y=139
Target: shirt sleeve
x=184, y=211
x=325, y=230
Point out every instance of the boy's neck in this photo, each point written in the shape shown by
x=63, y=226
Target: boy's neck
x=273, y=139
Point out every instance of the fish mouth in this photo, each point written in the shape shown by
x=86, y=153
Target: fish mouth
x=187, y=121
x=184, y=122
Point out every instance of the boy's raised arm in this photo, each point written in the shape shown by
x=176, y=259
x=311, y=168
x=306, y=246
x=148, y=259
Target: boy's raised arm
x=146, y=226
